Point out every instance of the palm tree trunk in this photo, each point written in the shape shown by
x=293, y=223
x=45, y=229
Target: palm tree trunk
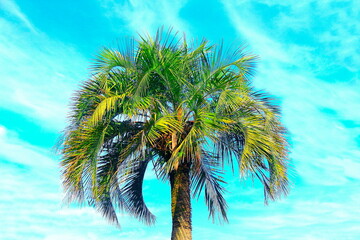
x=180, y=203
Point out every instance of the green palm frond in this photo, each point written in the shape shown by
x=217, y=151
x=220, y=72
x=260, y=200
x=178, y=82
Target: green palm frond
x=132, y=190
x=207, y=175
x=109, y=59
x=109, y=196
x=81, y=149
x=106, y=106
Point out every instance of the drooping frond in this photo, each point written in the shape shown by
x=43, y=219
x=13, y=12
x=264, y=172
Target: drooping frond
x=207, y=175
x=109, y=196
x=80, y=153
x=132, y=190
x=257, y=141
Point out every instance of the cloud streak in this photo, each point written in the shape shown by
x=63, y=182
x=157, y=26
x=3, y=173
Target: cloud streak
x=141, y=16
x=13, y=9
x=38, y=74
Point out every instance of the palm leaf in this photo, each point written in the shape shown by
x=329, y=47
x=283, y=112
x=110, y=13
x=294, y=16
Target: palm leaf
x=206, y=175
x=132, y=190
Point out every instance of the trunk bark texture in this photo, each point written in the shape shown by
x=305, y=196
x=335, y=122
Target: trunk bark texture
x=180, y=202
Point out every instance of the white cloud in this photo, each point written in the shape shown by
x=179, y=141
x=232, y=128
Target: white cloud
x=22, y=153
x=38, y=74
x=325, y=213
x=13, y=9
x=142, y=16
x=263, y=45
x=325, y=29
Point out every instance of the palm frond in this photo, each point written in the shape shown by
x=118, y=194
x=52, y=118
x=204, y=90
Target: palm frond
x=106, y=106
x=80, y=152
x=206, y=175
x=109, y=59
x=132, y=190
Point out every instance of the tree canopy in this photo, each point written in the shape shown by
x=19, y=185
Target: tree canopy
x=162, y=102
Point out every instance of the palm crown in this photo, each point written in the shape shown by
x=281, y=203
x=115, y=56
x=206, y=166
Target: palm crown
x=164, y=102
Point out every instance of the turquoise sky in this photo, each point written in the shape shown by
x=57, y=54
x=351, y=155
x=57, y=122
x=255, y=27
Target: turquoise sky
x=309, y=58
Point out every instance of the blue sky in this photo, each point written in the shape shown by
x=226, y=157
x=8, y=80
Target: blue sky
x=310, y=60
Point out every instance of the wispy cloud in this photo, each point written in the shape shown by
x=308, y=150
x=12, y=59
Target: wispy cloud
x=141, y=16
x=13, y=9
x=322, y=29
x=321, y=215
x=38, y=74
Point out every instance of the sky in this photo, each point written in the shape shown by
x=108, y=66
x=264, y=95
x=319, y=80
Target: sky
x=309, y=59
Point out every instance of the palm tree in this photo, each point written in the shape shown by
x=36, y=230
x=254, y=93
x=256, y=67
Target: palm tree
x=185, y=109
